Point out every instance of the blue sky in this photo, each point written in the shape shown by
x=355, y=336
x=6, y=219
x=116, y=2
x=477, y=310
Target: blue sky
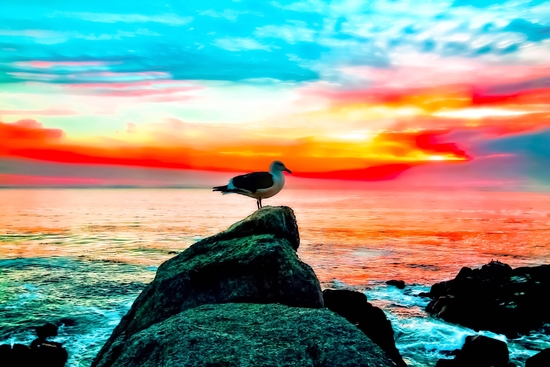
x=286, y=41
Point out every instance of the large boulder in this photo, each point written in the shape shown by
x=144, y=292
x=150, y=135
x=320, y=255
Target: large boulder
x=46, y=330
x=479, y=351
x=496, y=298
x=372, y=321
x=41, y=352
x=47, y=354
x=541, y=359
x=400, y=284
x=254, y=261
x=235, y=334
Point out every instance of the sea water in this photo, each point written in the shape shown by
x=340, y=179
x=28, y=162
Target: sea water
x=81, y=256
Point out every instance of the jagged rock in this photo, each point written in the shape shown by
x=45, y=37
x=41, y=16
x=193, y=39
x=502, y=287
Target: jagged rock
x=5, y=354
x=396, y=283
x=249, y=335
x=21, y=355
x=349, y=304
x=353, y=306
x=40, y=353
x=46, y=330
x=479, y=351
x=67, y=321
x=541, y=359
x=18, y=355
x=495, y=297
x=51, y=355
x=254, y=261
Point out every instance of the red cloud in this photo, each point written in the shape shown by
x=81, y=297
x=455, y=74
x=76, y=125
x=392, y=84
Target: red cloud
x=374, y=173
x=25, y=133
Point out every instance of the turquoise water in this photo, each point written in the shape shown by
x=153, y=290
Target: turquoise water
x=87, y=297
x=80, y=257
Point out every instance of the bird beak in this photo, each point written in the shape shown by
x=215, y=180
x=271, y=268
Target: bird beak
x=287, y=170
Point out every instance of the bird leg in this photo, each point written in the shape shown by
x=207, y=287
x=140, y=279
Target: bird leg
x=258, y=203
x=261, y=203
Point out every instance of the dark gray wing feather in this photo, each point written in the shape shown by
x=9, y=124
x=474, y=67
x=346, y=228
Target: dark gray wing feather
x=253, y=181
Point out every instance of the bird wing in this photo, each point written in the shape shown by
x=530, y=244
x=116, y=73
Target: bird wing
x=253, y=181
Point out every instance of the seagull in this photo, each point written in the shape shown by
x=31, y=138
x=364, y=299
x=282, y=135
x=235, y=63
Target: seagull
x=257, y=185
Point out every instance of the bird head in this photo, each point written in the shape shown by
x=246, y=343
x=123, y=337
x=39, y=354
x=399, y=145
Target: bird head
x=278, y=166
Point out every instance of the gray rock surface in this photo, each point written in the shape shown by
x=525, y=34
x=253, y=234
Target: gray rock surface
x=254, y=261
x=245, y=335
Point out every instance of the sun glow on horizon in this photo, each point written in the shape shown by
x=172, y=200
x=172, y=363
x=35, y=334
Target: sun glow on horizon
x=479, y=113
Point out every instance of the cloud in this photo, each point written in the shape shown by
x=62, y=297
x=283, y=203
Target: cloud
x=88, y=76
x=43, y=112
x=229, y=14
x=38, y=64
x=136, y=89
x=288, y=33
x=169, y=19
x=22, y=173
x=532, y=31
x=374, y=173
x=25, y=134
x=240, y=44
x=533, y=144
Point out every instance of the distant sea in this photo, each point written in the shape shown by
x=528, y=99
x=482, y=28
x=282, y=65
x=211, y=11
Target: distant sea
x=81, y=256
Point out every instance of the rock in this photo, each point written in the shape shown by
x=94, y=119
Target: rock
x=349, y=304
x=40, y=353
x=235, y=334
x=21, y=355
x=446, y=363
x=278, y=221
x=353, y=306
x=541, y=359
x=46, y=330
x=51, y=355
x=6, y=355
x=496, y=298
x=397, y=283
x=254, y=261
x=67, y=321
x=479, y=351
x=496, y=269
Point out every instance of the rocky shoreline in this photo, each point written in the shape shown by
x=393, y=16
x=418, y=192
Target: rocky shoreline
x=239, y=298
x=244, y=298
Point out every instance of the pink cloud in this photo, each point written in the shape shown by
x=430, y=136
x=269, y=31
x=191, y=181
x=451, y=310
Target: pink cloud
x=428, y=71
x=51, y=64
x=161, y=88
x=43, y=112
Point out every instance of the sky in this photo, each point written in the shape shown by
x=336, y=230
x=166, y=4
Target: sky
x=392, y=93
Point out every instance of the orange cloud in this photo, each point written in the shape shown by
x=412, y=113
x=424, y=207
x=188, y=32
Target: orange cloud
x=389, y=153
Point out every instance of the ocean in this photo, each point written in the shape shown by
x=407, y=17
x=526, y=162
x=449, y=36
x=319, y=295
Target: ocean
x=81, y=256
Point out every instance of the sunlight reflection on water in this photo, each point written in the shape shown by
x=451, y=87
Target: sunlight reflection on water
x=411, y=234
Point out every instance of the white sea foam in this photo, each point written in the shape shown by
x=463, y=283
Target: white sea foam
x=423, y=339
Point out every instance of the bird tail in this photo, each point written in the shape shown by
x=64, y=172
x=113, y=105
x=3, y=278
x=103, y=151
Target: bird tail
x=226, y=190
x=223, y=189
